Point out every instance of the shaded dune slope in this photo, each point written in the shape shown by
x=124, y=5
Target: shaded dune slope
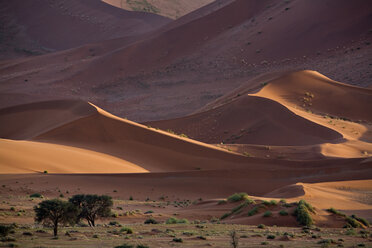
x=26, y=121
x=67, y=24
x=250, y=120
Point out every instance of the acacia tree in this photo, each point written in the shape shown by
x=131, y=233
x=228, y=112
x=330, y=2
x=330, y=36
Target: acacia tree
x=55, y=212
x=92, y=206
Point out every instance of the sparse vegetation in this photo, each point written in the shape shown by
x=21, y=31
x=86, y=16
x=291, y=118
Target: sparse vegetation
x=176, y=221
x=302, y=213
x=36, y=195
x=234, y=239
x=267, y=214
x=5, y=230
x=55, y=212
x=178, y=240
x=126, y=230
x=151, y=221
x=92, y=207
x=283, y=213
x=237, y=197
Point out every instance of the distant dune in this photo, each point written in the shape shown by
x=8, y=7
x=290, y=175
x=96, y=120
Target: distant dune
x=194, y=60
x=169, y=8
x=66, y=24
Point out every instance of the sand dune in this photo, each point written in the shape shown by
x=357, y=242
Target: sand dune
x=250, y=120
x=202, y=55
x=313, y=91
x=67, y=24
x=168, y=8
x=19, y=157
x=23, y=122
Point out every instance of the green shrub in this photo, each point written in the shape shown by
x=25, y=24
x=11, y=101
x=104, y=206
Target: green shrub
x=261, y=226
x=149, y=212
x=264, y=243
x=45, y=172
x=126, y=230
x=350, y=232
x=151, y=221
x=142, y=246
x=283, y=213
x=36, y=195
x=302, y=213
x=253, y=211
x=353, y=222
x=270, y=236
x=225, y=215
x=267, y=214
x=114, y=223
x=334, y=211
x=178, y=240
x=283, y=201
x=173, y=220
x=242, y=205
x=361, y=220
x=273, y=203
x=5, y=230
x=124, y=246
x=237, y=197
x=201, y=237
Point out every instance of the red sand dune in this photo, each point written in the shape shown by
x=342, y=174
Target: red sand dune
x=208, y=50
x=250, y=120
x=246, y=119
x=67, y=24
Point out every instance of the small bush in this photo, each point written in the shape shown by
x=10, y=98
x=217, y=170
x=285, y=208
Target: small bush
x=114, y=223
x=261, y=226
x=149, y=212
x=126, y=230
x=151, y=221
x=124, y=246
x=270, y=236
x=353, y=222
x=45, y=172
x=264, y=243
x=283, y=213
x=283, y=201
x=334, y=211
x=176, y=221
x=5, y=230
x=178, y=240
x=361, y=220
x=273, y=203
x=225, y=215
x=242, y=205
x=237, y=197
x=27, y=234
x=253, y=211
x=267, y=214
x=302, y=213
x=36, y=195
x=201, y=237
x=142, y=246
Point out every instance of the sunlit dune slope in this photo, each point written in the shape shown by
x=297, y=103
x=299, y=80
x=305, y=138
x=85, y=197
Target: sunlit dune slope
x=30, y=157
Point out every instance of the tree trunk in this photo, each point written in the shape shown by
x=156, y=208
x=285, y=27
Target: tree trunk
x=55, y=229
x=93, y=222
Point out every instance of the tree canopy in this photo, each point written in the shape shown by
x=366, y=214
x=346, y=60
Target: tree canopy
x=55, y=212
x=92, y=206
